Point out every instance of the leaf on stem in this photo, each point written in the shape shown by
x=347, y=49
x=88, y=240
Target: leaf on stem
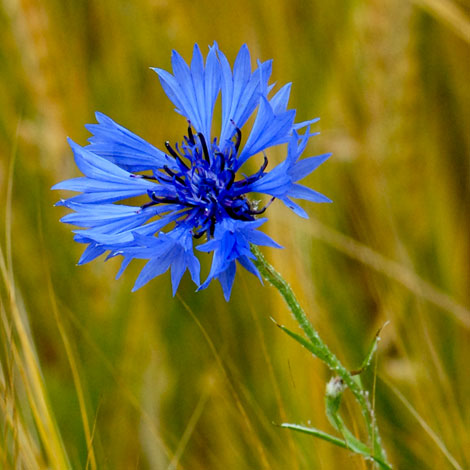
x=316, y=351
x=370, y=354
x=357, y=446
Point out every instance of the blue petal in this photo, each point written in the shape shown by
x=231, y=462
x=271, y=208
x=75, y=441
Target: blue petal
x=250, y=267
x=226, y=279
x=124, y=148
x=94, y=166
x=152, y=269
x=124, y=264
x=240, y=91
x=298, y=143
x=105, y=181
x=303, y=124
x=250, y=97
x=182, y=74
x=231, y=243
x=197, y=79
x=260, y=238
x=275, y=183
x=233, y=85
x=268, y=130
x=211, y=88
x=173, y=249
x=294, y=207
x=172, y=89
x=194, y=267
x=105, y=214
x=307, y=165
x=302, y=192
x=279, y=101
x=126, y=236
x=178, y=268
x=96, y=191
x=193, y=89
x=91, y=252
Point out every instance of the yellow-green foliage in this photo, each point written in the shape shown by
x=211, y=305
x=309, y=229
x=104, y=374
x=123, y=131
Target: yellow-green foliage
x=93, y=376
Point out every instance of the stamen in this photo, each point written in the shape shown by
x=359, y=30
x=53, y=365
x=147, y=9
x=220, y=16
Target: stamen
x=175, y=154
x=222, y=160
x=148, y=204
x=163, y=199
x=239, y=215
x=174, y=175
x=212, y=226
x=198, y=235
x=239, y=139
x=264, y=165
x=191, y=135
x=164, y=178
x=170, y=150
x=148, y=177
x=239, y=136
x=231, y=180
x=178, y=151
x=204, y=147
x=255, y=177
x=181, y=163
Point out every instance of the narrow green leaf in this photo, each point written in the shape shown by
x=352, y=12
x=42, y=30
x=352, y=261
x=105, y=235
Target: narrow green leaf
x=317, y=433
x=357, y=446
x=370, y=353
x=304, y=342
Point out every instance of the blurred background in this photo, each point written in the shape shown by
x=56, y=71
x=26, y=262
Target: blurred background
x=94, y=376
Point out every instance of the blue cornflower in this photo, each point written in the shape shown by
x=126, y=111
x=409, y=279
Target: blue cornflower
x=193, y=189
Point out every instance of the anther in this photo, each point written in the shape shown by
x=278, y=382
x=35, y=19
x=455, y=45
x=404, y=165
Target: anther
x=231, y=180
x=204, y=147
x=178, y=151
x=239, y=136
x=197, y=235
x=190, y=135
x=148, y=204
x=147, y=177
x=264, y=165
x=239, y=215
x=222, y=160
x=181, y=163
x=256, y=176
x=212, y=226
x=170, y=150
x=173, y=175
x=161, y=199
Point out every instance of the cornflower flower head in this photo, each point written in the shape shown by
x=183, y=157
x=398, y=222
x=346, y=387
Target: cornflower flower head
x=194, y=189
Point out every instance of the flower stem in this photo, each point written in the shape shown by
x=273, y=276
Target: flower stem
x=320, y=349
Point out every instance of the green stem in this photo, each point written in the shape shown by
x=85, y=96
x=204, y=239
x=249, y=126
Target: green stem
x=319, y=348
